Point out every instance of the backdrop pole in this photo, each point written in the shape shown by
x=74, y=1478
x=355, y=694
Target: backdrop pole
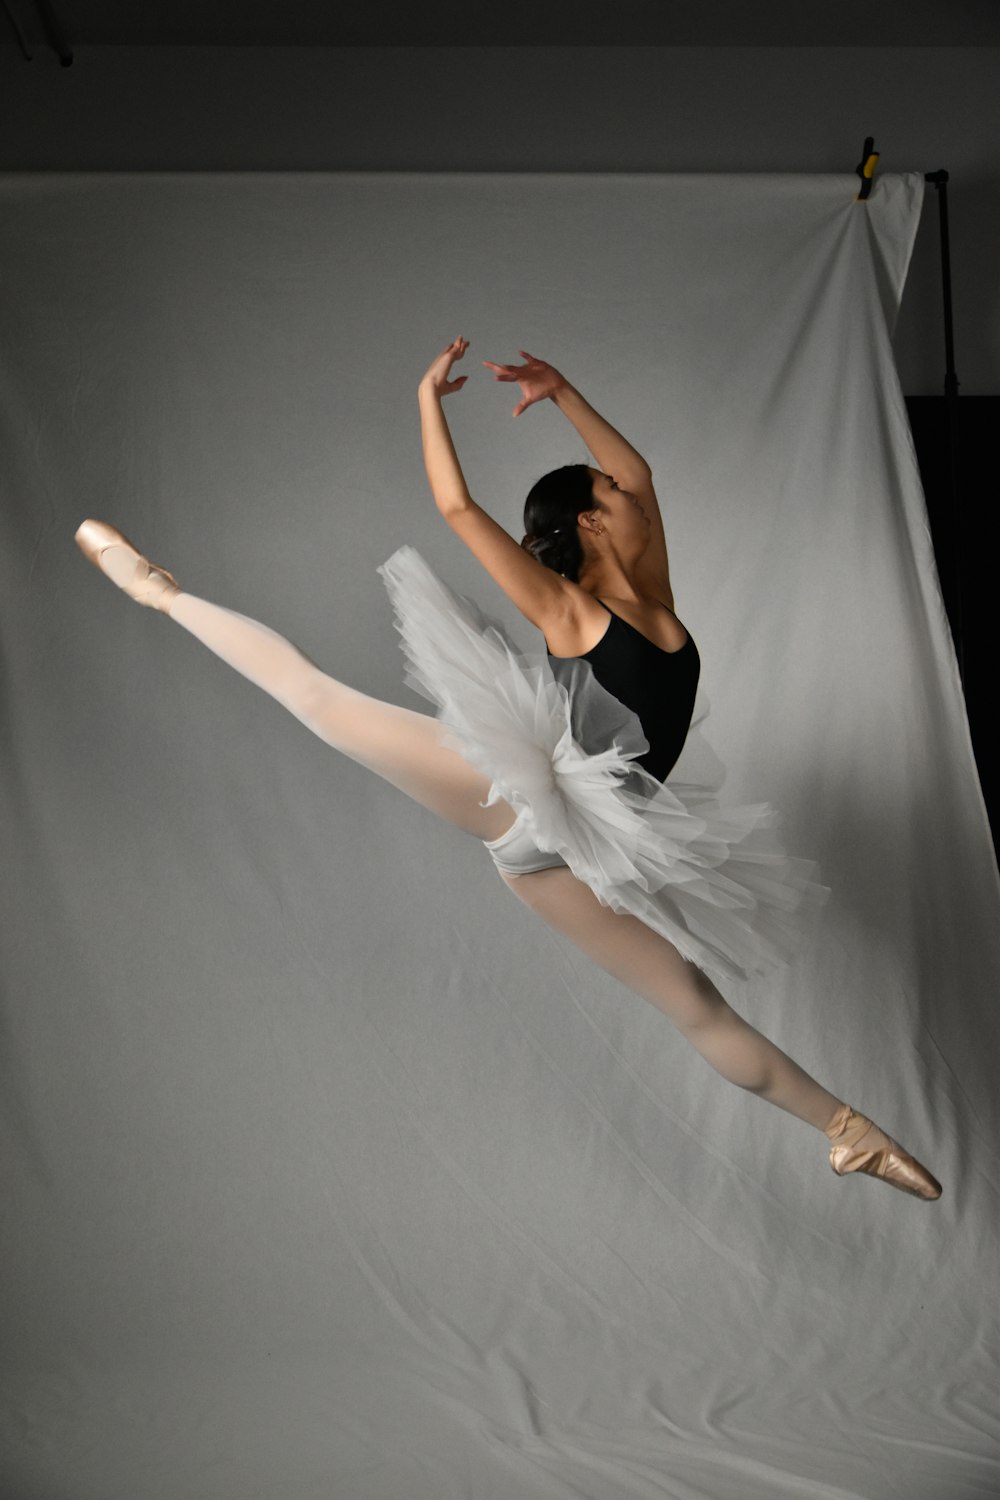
x=940, y=181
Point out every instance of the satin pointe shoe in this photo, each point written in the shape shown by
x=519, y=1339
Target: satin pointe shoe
x=144, y=581
x=891, y=1163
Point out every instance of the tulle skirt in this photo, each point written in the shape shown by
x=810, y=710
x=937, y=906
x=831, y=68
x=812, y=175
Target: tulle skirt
x=561, y=750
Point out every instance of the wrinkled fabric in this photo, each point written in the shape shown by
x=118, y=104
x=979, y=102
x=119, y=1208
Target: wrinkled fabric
x=330, y=1171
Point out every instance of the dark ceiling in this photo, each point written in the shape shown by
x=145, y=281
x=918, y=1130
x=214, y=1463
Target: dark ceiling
x=517, y=23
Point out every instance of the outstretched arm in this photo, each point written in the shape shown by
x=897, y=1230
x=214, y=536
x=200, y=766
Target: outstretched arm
x=541, y=595
x=444, y=472
x=618, y=458
x=612, y=452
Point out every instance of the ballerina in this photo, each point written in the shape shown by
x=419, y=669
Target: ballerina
x=559, y=762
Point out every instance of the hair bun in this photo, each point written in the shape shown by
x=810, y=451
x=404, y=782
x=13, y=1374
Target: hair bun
x=540, y=546
x=551, y=518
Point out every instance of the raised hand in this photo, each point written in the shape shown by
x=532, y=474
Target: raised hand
x=436, y=378
x=536, y=379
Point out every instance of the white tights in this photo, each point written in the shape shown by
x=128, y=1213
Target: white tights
x=407, y=749
x=401, y=746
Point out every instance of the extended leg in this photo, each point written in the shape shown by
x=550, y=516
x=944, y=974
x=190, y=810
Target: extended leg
x=403, y=747
x=644, y=961
x=652, y=967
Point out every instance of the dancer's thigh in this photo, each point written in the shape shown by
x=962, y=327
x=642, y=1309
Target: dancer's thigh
x=402, y=746
x=622, y=946
x=407, y=749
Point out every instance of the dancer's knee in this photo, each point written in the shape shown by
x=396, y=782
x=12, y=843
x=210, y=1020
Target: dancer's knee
x=304, y=689
x=706, y=1010
x=704, y=987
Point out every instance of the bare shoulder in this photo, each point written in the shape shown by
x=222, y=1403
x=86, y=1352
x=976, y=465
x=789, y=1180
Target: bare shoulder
x=585, y=620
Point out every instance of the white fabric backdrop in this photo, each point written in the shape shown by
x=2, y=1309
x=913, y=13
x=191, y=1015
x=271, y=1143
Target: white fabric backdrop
x=329, y=1170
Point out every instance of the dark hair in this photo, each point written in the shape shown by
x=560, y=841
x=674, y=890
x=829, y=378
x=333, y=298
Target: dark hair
x=550, y=513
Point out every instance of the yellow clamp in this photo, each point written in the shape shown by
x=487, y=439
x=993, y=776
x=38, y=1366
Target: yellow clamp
x=866, y=168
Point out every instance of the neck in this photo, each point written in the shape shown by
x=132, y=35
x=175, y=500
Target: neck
x=607, y=575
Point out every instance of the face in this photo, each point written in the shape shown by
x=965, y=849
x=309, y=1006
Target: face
x=620, y=511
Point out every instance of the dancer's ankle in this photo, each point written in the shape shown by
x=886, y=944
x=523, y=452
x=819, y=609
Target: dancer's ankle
x=837, y=1121
x=848, y=1125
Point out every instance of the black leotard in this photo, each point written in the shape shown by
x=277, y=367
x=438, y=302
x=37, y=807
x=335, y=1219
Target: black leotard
x=658, y=686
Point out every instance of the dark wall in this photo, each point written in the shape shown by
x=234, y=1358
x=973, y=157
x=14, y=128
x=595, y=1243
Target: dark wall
x=553, y=109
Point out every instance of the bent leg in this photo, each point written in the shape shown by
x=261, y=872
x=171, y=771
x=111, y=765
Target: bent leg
x=645, y=962
x=405, y=748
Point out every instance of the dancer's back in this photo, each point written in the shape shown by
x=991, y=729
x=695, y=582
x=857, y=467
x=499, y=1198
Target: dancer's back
x=657, y=684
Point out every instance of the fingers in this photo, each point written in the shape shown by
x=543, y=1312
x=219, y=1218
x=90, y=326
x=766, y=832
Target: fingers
x=512, y=372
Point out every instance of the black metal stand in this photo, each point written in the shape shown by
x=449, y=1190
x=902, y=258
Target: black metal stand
x=940, y=181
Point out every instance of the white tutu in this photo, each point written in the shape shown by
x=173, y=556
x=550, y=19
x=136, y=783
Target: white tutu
x=562, y=751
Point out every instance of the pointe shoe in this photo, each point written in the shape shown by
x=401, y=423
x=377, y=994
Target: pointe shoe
x=891, y=1163
x=148, y=584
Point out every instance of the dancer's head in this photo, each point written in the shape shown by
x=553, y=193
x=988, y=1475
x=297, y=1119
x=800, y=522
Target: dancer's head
x=576, y=515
